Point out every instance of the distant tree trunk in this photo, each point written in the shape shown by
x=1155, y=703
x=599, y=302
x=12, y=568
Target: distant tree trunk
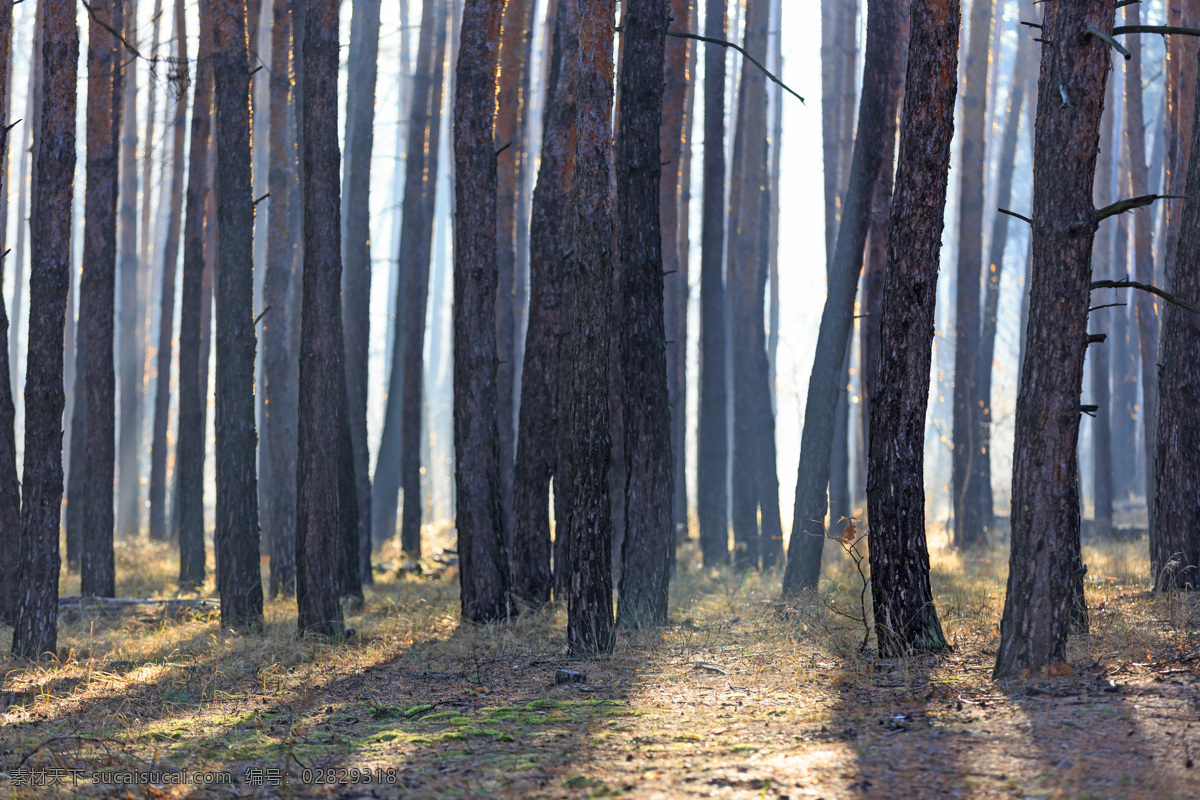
x=589, y=589
x=712, y=447
x=679, y=433
x=10, y=488
x=105, y=76
x=1124, y=356
x=420, y=195
x=816, y=444
x=539, y=457
x=838, y=58
x=356, y=246
x=279, y=422
x=904, y=614
x=193, y=360
x=1045, y=584
x=166, y=317
x=129, y=360
x=1176, y=557
x=649, y=485
x=970, y=496
x=480, y=521
x=35, y=634
x=28, y=181
x=238, y=578
x=147, y=240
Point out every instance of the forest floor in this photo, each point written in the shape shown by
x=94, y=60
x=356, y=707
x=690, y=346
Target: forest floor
x=735, y=698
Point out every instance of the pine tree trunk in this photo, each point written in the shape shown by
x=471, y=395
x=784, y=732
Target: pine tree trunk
x=481, y=539
x=712, y=447
x=420, y=195
x=279, y=423
x=816, y=444
x=539, y=453
x=589, y=589
x=10, y=489
x=166, y=317
x=1044, y=600
x=1124, y=354
x=356, y=246
x=35, y=634
x=33, y=114
x=679, y=433
x=904, y=614
x=105, y=75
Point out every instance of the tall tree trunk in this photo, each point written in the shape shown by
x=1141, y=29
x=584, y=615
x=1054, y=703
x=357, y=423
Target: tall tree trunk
x=356, y=246
x=166, y=317
x=480, y=520
x=321, y=347
x=33, y=114
x=712, y=446
x=679, y=433
x=539, y=456
x=589, y=589
x=193, y=359
x=238, y=578
x=904, y=614
x=279, y=422
x=971, y=498
x=1045, y=584
x=104, y=107
x=129, y=357
x=420, y=195
x=1124, y=352
x=816, y=443
x=10, y=489
x=147, y=240
x=35, y=634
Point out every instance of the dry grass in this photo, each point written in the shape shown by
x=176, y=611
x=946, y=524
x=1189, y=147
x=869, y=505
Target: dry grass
x=733, y=699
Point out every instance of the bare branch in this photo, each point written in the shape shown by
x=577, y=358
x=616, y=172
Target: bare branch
x=1015, y=214
x=1110, y=41
x=1145, y=287
x=1121, y=30
x=1129, y=204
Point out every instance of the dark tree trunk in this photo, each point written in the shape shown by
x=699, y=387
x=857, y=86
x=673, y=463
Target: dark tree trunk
x=816, y=443
x=904, y=614
x=649, y=482
x=238, y=578
x=104, y=109
x=1176, y=512
x=541, y=412
x=712, y=446
x=166, y=317
x=350, y=580
x=838, y=58
x=279, y=421
x=1045, y=582
x=970, y=496
x=129, y=360
x=420, y=195
x=480, y=521
x=356, y=247
x=589, y=587
x=10, y=489
x=77, y=474
x=189, y=448
x=321, y=350
x=36, y=631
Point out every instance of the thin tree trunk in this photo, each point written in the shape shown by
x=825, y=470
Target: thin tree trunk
x=589, y=589
x=539, y=457
x=679, y=433
x=166, y=317
x=712, y=446
x=1044, y=600
x=33, y=114
x=1124, y=353
x=35, y=634
x=10, y=488
x=147, y=241
x=105, y=76
x=279, y=424
x=816, y=444
x=904, y=614
x=356, y=246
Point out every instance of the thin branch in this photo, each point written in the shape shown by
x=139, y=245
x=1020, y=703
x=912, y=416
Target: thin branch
x=261, y=314
x=264, y=197
x=1127, y=2
x=1130, y=203
x=1037, y=25
x=110, y=29
x=1121, y=30
x=1015, y=214
x=1106, y=305
x=1145, y=287
x=1110, y=41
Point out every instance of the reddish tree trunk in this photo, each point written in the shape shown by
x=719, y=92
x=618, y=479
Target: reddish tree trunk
x=10, y=489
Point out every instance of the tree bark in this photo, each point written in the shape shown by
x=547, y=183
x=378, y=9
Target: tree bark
x=35, y=634
x=279, y=421
x=420, y=195
x=238, y=579
x=816, y=443
x=539, y=451
x=105, y=102
x=147, y=240
x=712, y=447
x=356, y=247
x=904, y=614
x=10, y=488
x=589, y=589
x=1045, y=584
x=166, y=317
x=484, y=573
